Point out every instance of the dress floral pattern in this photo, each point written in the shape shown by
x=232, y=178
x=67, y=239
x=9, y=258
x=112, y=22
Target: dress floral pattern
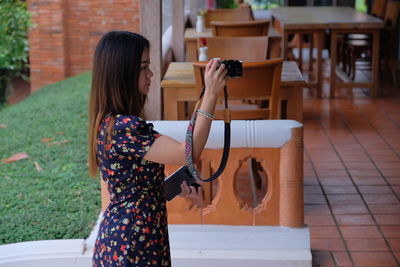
x=133, y=231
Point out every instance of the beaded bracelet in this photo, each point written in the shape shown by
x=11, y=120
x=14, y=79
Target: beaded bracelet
x=205, y=114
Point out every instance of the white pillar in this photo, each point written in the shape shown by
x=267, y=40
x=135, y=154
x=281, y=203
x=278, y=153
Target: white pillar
x=151, y=28
x=178, y=27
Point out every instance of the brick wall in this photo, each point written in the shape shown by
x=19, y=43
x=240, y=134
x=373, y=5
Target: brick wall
x=66, y=32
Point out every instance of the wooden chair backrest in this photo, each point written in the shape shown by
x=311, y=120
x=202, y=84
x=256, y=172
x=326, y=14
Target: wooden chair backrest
x=240, y=28
x=392, y=15
x=379, y=8
x=248, y=49
x=225, y=14
x=260, y=81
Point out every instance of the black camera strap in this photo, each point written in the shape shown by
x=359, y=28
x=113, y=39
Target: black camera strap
x=227, y=140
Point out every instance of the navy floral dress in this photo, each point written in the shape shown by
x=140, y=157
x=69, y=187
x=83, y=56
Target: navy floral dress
x=133, y=231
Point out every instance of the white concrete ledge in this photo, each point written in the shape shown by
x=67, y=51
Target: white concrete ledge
x=223, y=245
x=244, y=133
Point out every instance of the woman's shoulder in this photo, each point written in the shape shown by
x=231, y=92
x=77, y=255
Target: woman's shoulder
x=130, y=122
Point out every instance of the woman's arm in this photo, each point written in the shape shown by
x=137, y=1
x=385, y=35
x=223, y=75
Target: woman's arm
x=166, y=150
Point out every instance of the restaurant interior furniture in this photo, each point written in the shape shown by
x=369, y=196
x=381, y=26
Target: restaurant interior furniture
x=223, y=14
x=240, y=28
x=361, y=48
x=247, y=49
x=191, y=38
x=260, y=81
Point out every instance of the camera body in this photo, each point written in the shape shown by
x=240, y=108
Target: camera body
x=235, y=68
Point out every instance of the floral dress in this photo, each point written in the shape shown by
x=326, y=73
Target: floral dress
x=133, y=231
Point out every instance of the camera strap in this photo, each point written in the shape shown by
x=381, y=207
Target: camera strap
x=227, y=140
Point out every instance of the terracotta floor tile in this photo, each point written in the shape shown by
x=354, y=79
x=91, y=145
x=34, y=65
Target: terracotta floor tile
x=348, y=209
x=380, y=152
x=317, y=209
x=331, y=173
x=393, y=181
x=324, y=232
x=387, y=219
x=397, y=255
x=388, y=173
x=314, y=199
x=342, y=259
x=373, y=259
x=322, y=258
x=359, y=180
x=384, y=208
x=375, y=189
x=393, y=158
x=391, y=231
x=339, y=189
x=360, y=232
x=388, y=165
x=311, y=180
x=327, y=244
x=366, y=244
x=381, y=199
x=335, y=181
x=394, y=244
x=344, y=199
x=320, y=220
x=360, y=165
x=312, y=190
x=364, y=173
x=354, y=158
x=396, y=189
x=364, y=219
x=328, y=165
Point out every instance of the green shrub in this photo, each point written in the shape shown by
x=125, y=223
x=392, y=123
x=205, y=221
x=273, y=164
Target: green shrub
x=14, y=25
x=61, y=201
x=226, y=4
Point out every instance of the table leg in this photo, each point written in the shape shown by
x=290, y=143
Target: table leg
x=375, y=63
x=301, y=51
x=310, y=57
x=170, y=104
x=295, y=104
x=285, y=45
x=320, y=42
x=333, y=62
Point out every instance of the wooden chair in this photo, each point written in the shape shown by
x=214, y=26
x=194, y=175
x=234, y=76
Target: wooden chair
x=261, y=81
x=354, y=48
x=247, y=49
x=240, y=28
x=222, y=14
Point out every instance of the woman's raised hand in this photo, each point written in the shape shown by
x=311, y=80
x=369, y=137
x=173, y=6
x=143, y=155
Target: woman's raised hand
x=216, y=75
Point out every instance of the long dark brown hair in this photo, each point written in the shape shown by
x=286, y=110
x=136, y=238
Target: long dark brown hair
x=114, y=90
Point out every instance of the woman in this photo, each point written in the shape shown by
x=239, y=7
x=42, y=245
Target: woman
x=130, y=154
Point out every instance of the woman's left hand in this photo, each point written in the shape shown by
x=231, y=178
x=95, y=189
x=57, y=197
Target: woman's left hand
x=190, y=192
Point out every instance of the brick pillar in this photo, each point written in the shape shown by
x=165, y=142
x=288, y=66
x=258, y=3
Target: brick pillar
x=46, y=42
x=66, y=33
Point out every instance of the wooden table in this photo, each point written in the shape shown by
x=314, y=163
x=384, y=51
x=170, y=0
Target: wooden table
x=191, y=36
x=179, y=85
x=339, y=20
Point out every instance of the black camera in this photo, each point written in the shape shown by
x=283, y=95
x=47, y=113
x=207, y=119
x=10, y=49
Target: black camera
x=235, y=67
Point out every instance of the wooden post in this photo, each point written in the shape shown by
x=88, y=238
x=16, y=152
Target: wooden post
x=150, y=24
x=178, y=28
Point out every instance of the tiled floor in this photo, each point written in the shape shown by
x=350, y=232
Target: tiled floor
x=352, y=178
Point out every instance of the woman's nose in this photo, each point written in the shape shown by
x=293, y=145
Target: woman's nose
x=150, y=73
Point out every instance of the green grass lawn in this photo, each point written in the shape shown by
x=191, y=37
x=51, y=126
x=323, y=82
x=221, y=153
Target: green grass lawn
x=61, y=201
